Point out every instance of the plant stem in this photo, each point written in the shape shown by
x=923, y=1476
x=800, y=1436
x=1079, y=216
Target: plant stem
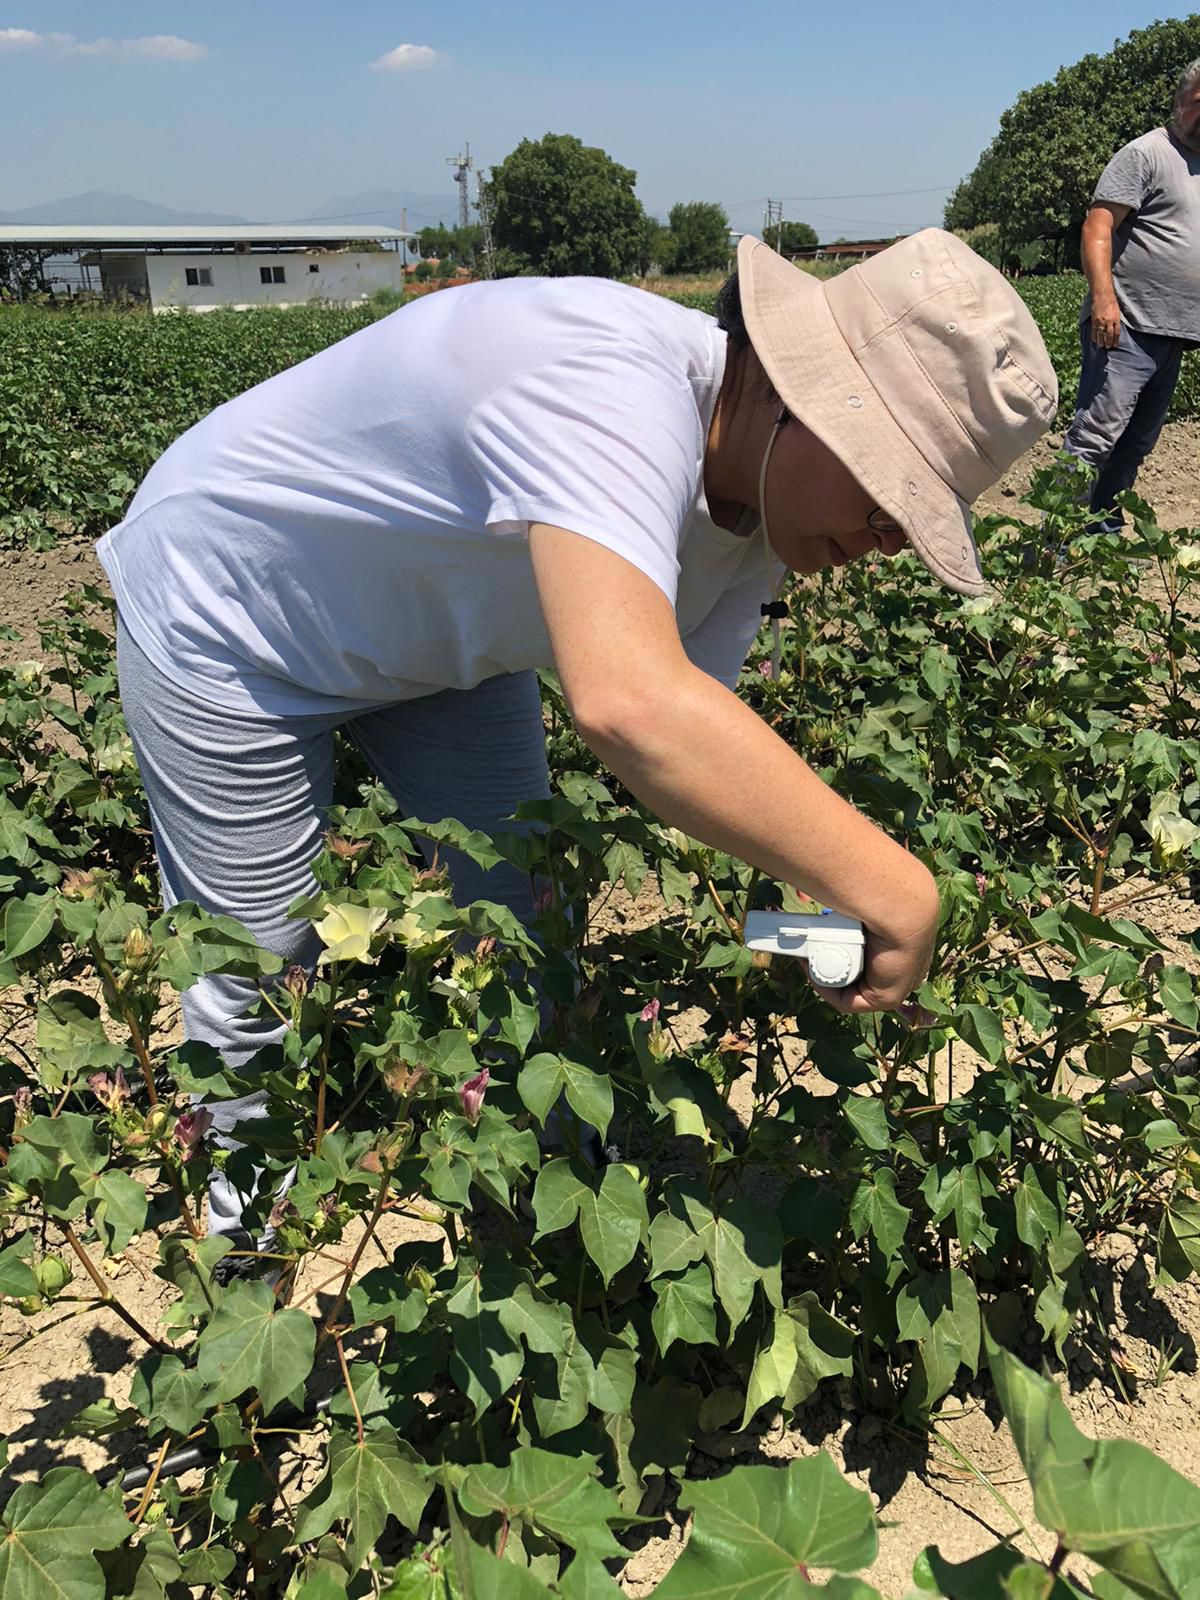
x=324, y=1070
x=350, y=1389
x=107, y=1295
x=143, y=1504
x=372, y=1224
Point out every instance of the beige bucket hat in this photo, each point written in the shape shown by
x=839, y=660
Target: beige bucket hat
x=920, y=368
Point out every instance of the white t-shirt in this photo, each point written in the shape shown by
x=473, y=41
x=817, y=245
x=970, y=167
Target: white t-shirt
x=355, y=527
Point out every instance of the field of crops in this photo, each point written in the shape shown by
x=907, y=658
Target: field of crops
x=491, y=1370
x=91, y=399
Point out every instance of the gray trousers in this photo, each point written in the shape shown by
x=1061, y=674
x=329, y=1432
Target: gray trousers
x=1124, y=394
x=238, y=801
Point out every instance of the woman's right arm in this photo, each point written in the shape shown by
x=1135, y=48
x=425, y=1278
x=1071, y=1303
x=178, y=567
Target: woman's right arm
x=702, y=761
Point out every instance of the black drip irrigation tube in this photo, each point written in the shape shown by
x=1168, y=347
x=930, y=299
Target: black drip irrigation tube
x=193, y=1455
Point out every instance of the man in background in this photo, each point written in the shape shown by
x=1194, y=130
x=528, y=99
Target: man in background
x=1141, y=255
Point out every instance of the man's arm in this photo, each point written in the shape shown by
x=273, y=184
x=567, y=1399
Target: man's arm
x=1097, y=251
x=699, y=758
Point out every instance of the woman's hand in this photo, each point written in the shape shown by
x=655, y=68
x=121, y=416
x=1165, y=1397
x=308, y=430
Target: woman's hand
x=896, y=959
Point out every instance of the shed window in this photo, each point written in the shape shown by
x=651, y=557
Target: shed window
x=271, y=274
x=313, y=266
x=198, y=277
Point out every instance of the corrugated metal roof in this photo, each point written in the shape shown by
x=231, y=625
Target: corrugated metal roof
x=64, y=235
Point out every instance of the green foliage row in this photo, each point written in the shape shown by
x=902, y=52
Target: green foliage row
x=798, y=1201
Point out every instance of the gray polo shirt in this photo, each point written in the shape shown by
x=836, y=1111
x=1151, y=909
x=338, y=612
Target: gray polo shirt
x=1156, y=250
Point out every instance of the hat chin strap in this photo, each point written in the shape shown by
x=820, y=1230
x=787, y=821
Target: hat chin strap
x=777, y=607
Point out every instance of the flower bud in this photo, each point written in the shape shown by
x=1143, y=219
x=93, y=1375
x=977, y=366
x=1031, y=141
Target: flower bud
x=22, y=1107
x=53, y=1274
x=486, y=947
x=190, y=1129
x=543, y=900
x=157, y=1122
x=649, y=1012
x=138, y=951
x=471, y=1094
x=295, y=982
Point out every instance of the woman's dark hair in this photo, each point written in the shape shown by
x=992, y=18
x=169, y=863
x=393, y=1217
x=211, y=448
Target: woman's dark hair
x=731, y=321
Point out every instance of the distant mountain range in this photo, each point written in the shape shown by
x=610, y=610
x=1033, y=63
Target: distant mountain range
x=97, y=207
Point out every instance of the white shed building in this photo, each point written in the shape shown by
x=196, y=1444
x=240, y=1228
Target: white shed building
x=198, y=269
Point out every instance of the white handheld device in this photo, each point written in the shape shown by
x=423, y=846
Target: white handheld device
x=831, y=944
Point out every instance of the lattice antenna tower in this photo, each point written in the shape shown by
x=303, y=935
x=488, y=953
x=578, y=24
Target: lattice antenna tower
x=462, y=176
x=484, y=206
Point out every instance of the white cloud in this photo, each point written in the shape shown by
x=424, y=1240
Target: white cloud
x=407, y=58
x=157, y=46
x=167, y=47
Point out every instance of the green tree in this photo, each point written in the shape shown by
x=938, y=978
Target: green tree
x=789, y=237
x=460, y=245
x=699, y=237
x=561, y=207
x=1036, y=178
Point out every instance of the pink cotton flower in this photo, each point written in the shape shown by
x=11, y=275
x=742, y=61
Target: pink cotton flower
x=649, y=1012
x=190, y=1129
x=543, y=900
x=981, y=882
x=471, y=1095
x=764, y=669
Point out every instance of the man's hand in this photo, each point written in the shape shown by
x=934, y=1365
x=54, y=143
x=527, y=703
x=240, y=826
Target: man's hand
x=1096, y=247
x=1106, y=322
x=897, y=956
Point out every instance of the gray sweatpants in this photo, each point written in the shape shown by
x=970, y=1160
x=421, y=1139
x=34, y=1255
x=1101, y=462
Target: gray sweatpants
x=238, y=801
x=1124, y=395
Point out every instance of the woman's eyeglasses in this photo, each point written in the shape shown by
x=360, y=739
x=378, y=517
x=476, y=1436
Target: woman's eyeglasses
x=880, y=522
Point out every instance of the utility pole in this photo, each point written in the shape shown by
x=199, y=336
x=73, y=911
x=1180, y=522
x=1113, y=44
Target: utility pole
x=484, y=204
x=773, y=218
x=404, y=238
x=462, y=176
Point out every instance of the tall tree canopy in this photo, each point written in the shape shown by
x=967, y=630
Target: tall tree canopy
x=1035, y=179
x=561, y=207
x=697, y=237
x=788, y=237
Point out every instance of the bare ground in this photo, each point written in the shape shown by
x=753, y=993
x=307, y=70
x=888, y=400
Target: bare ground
x=960, y=1487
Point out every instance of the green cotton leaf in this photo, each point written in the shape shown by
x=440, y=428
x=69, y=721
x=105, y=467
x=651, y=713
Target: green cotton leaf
x=251, y=1344
x=950, y=1188
x=674, y=1244
x=560, y=1390
x=874, y=1208
x=613, y=1220
x=544, y=1324
x=1179, y=1240
x=363, y=1485
x=1002, y=1571
x=385, y=1295
x=754, y=1529
x=483, y=1576
x=743, y=1243
x=586, y=1579
x=982, y=1030
x=1177, y=991
x=1058, y=1120
x=557, y=1494
x=824, y=1347
x=614, y=1374
x=556, y=1196
x=16, y=1276
x=71, y=1039
x=589, y=1094
x=120, y=1208
x=939, y=1311
x=486, y=1360
x=168, y=1394
x=867, y=1115
x=52, y=1530
x=685, y=1309
x=26, y=924
x=774, y=1365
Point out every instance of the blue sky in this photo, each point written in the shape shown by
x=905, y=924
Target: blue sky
x=270, y=108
